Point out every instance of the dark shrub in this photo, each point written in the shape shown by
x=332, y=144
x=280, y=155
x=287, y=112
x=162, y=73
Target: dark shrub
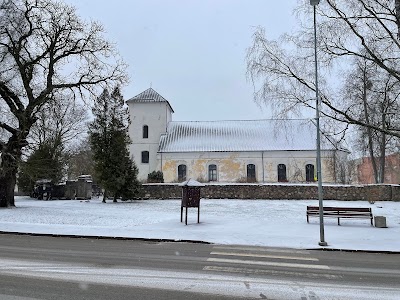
x=155, y=177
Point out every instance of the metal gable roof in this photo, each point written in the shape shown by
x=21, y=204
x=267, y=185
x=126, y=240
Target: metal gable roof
x=239, y=135
x=149, y=95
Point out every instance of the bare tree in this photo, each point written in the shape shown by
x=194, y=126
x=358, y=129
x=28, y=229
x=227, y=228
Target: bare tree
x=80, y=160
x=374, y=94
x=282, y=71
x=59, y=127
x=45, y=49
x=59, y=120
x=340, y=168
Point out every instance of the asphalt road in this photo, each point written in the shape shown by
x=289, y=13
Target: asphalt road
x=35, y=267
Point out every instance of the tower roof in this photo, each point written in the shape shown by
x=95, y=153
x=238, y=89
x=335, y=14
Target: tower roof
x=149, y=95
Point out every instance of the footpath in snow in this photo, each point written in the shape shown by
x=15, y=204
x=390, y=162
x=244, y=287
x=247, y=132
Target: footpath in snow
x=274, y=223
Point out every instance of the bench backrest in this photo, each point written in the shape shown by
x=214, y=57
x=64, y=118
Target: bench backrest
x=330, y=208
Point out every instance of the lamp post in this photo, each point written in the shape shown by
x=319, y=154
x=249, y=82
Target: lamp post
x=322, y=241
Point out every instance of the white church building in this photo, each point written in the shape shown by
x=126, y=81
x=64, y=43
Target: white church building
x=264, y=151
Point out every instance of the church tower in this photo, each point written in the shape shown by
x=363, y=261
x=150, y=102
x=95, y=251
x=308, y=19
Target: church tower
x=150, y=114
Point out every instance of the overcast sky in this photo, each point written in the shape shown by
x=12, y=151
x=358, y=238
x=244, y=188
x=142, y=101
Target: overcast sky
x=192, y=52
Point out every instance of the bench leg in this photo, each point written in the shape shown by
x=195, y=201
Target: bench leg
x=181, y=213
x=338, y=221
x=186, y=217
x=198, y=214
x=372, y=222
x=307, y=219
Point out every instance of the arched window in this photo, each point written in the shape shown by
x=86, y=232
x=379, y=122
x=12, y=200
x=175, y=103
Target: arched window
x=145, y=131
x=309, y=172
x=251, y=173
x=145, y=157
x=182, y=172
x=282, y=173
x=212, y=173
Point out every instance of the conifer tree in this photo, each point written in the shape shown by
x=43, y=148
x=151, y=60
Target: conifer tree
x=115, y=171
x=46, y=162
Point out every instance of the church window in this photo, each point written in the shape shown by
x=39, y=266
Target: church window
x=282, y=173
x=145, y=131
x=251, y=173
x=309, y=172
x=212, y=173
x=145, y=157
x=182, y=172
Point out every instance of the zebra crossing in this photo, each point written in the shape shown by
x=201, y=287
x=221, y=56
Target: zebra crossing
x=265, y=261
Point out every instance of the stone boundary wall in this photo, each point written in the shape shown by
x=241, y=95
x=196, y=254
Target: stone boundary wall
x=380, y=192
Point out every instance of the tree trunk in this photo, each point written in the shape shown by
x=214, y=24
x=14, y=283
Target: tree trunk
x=382, y=161
x=397, y=8
x=7, y=184
x=10, y=159
x=369, y=130
x=383, y=152
x=104, y=196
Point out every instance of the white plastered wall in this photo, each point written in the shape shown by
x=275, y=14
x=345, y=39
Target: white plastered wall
x=156, y=115
x=232, y=166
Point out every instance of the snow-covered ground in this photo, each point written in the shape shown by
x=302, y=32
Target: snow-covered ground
x=276, y=223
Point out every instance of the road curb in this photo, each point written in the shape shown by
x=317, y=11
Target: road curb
x=155, y=240
x=353, y=250
x=100, y=237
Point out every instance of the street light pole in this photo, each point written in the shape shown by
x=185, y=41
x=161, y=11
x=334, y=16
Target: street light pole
x=322, y=241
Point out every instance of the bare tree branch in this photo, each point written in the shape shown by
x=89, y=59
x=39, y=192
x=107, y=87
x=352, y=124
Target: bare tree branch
x=281, y=70
x=46, y=49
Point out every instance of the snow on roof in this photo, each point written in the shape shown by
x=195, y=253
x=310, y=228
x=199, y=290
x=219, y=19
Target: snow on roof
x=149, y=95
x=240, y=135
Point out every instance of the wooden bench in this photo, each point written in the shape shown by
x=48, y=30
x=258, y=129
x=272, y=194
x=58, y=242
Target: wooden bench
x=341, y=212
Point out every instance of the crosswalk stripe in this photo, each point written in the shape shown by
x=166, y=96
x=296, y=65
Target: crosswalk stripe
x=270, y=272
x=264, y=256
x=267, y=263
x=259, y=249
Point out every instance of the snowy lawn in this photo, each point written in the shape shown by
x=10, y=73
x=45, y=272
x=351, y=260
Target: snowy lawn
x=276, y=223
